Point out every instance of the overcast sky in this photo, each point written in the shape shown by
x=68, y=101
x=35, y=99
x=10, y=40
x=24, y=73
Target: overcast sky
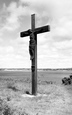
x=54, y=47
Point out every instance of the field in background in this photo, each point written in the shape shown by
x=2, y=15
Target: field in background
x=14, y=84
x=54, y=76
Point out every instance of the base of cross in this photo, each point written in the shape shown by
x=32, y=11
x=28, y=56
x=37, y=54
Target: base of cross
x=34, y=78
x=31, y=96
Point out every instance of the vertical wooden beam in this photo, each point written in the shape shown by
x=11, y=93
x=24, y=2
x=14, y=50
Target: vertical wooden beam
x=34, y=61
x=33, y=22
x=36, y=64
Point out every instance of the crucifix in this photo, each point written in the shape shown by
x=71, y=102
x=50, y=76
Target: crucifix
x=33, y=49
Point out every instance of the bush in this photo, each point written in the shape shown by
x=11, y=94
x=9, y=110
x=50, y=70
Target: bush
x=4, y=108
x=8, y=98
x=7, y=111
x=11, y=86
x=49, y=82
x=70, y=76
x=66, y=81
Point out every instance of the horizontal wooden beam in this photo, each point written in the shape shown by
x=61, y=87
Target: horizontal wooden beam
x=25, y=33
x=37, y=31
x=42, y=29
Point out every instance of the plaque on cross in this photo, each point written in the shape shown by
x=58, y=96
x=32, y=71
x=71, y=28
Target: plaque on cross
x=33, y=49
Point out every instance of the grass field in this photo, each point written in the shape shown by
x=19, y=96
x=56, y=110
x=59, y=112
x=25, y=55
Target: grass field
x=53, y=98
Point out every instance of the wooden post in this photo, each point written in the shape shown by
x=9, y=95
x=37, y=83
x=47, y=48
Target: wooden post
x=34, y=61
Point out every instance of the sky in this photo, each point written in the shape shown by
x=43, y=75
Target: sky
x=54, y=48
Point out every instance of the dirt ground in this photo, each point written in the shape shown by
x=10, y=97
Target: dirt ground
x=51, y=99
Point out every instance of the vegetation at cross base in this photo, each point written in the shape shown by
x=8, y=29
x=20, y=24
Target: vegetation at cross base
x=12, y=86
x=12, y=89
x=67, y=80
x=5, y=109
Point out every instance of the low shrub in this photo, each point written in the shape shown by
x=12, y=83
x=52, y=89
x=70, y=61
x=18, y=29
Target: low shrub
x=4, y=108
x=66, y=81
x=12, y=86
x=70, y=76
x=8, y=98
x=49, y=82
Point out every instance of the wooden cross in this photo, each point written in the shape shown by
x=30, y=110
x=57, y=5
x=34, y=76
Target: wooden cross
x=33, y=49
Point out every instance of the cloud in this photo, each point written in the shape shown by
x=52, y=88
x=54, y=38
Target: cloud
x=64, y=44
x=13, y=61
x=57, y=14
x=62, y=31
x=13, y=11
x=12, y=22
x=11, y=57
x=64, y=48
x=6, y=49
x=42, y=9
x=46, y=11
x=54, y=47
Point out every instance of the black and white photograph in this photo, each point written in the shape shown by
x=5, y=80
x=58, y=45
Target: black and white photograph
x=35, y=57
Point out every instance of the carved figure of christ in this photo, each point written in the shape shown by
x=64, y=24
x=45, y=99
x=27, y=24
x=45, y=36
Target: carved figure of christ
x=33, y=49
